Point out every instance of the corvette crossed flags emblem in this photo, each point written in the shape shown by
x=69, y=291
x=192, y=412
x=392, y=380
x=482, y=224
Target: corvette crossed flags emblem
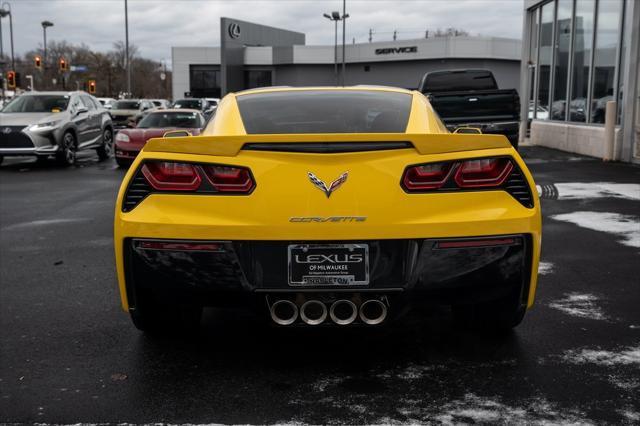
x=328, y=190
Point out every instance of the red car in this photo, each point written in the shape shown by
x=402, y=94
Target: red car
x=130, y=141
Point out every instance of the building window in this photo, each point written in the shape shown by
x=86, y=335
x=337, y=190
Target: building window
x=578, y=55
x=582, y=47
x=604, y=62
x=257, y=78
x=204, y=81
x=544, y=58
x=561, y=60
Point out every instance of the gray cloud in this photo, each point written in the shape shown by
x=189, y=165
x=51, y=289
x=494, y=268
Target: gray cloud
x=156, y=25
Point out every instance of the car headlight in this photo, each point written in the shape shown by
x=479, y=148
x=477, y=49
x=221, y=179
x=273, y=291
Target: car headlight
x=121, y=137
x=49, y=125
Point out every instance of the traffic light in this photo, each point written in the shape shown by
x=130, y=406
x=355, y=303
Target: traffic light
x=38, y=61
x=62, y=65
x=11, y=79
x=92, y=86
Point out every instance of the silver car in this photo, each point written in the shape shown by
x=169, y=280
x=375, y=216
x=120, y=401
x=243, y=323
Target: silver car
x=55, y=123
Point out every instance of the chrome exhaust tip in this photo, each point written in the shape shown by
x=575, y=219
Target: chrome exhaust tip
x=284, y=312
x=343, y=312
x=313, y=312
x=373, y=312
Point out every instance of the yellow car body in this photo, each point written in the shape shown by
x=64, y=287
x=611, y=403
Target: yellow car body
x=284, y=206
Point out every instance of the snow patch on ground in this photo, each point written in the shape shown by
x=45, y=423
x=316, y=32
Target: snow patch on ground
x=322, y=384
x=630, y=415
x=583, y=190
x=627, y=227
x=626, y=356
x=579, y=305
x=473, y=409
x=623, y=382
x=545, y=268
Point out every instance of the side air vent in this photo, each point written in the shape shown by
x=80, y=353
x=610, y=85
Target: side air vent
x=136, y=192
x=326, y=147
x=517, y=187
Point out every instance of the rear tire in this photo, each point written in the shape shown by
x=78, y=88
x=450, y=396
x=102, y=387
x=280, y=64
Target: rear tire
x=161, y=318
x=67, y=154
x=496, y=316
x=106, y=149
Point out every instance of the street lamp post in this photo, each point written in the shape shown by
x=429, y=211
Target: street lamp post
x=344, y=23
x=126, y=47
x=334, y=17
x=6, y=11
x=45, y=25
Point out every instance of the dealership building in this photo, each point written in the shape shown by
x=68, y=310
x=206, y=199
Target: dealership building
x=577, y=56
x=252, y=55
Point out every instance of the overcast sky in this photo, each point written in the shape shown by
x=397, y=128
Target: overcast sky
x=156, y=25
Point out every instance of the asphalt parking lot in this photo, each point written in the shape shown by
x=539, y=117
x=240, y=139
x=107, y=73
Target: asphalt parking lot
x=68, y=353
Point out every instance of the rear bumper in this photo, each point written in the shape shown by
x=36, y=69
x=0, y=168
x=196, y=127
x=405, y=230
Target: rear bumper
x=409, y=270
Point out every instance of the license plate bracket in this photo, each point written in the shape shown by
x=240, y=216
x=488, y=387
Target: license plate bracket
x=328, y=264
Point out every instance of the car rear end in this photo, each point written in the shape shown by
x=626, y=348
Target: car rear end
x=329, y=229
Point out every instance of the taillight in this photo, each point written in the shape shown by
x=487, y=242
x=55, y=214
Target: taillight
x=229, y=179
x=453, y=175
x=482, y=173
x=427, y=176
x=170, y=176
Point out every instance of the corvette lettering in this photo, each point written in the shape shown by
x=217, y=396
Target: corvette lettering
x=333, y=219
x=392, y=50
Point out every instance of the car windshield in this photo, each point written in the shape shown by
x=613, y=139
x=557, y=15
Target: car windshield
x=157, y=103
x=126, y=105
x=159, y=120
x=38, y=103
x=325, y=111
x=187, y=103
x=460, y=80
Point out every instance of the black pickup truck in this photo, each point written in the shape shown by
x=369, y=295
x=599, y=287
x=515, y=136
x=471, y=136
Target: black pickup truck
x=472, y=98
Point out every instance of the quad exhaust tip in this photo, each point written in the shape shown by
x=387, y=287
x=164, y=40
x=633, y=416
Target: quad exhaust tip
x=373, y=312
x=313, y=312
x=284, y=312
x=343, y=312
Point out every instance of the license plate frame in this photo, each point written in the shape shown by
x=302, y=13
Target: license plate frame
x=331, y=265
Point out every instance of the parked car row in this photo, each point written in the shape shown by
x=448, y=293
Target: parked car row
x=60, y=124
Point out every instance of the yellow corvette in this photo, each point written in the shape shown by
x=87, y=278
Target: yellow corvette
x=327, y=206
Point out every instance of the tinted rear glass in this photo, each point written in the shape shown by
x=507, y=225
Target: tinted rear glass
x=325, y=111
x=126, y=105
x=37, y=103
x=187, y=103
x=159, y=120
x=457, y=81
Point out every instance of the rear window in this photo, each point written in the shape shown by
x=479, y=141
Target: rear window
x=325, y=111
x=126, y=105
x=159, y=120
x=459, y=81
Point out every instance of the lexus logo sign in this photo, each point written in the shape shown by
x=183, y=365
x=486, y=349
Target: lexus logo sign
x=234, y=30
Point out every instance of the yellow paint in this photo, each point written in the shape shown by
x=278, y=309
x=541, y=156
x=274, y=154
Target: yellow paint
x=283, y=190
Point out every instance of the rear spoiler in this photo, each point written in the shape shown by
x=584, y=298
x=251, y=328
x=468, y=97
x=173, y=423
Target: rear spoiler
x=230, y=146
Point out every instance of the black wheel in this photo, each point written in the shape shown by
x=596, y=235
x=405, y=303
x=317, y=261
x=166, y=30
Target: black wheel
x=66, y=156
x=106, y=149
x=123, y=163
x=499, y=315
x=163, y=318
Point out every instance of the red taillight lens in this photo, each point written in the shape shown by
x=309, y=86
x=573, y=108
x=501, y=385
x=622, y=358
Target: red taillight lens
x=180, y=246
x=170, y=176
x=483, y=173
x=427, y=176
x=230, y=179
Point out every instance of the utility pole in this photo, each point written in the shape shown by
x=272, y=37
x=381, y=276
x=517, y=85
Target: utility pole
x=344, y=20
x=126, y=47
x=334, y=17
x=370, y=34
x=395, y=34
x=45, y=25
x=6, y=10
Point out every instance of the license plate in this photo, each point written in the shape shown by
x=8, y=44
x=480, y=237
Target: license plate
x=331, y=264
